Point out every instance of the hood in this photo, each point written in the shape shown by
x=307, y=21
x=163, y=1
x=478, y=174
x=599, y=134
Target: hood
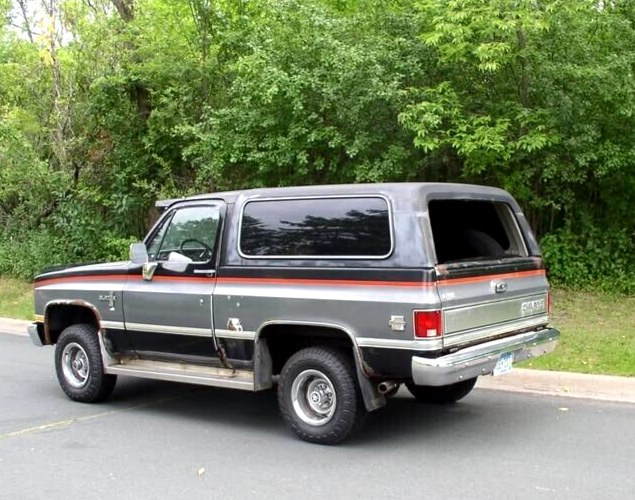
x=90, y=269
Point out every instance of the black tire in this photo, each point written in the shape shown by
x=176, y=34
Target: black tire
x=82, y=344
x=443, y=395
x=337, y=373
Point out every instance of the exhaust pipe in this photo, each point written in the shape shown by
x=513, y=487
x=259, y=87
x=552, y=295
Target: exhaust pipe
x=387, y=386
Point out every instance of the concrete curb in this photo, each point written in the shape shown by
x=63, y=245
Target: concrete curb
x=13, y=326
x=573, y=385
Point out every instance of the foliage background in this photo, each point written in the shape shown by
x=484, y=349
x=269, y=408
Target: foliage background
x=106, y=106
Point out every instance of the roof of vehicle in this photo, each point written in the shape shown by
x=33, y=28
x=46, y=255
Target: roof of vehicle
x=393, y=188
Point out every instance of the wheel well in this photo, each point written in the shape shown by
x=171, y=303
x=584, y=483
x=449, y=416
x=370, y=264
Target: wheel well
x=285, y=340
x=60, y=316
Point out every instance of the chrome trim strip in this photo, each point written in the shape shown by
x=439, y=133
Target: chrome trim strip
x=234, y=334
x=177, y=330
x=481, y=359
x=113, y=325
x=431, y=344
x=255, y=199
x=464, y=337
x=67, y=302
x=306, y=323
x=358, y=357
x=171, y=330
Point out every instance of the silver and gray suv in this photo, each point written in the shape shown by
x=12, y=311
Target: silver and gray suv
x=339, y=294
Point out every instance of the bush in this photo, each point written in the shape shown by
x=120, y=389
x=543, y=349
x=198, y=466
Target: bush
x=592, y=257
x=25, y=256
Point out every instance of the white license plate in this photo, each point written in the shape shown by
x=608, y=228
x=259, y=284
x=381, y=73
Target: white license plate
x=504, y=364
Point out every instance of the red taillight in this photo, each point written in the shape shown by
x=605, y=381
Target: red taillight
x=428, y=324
x=549, y=302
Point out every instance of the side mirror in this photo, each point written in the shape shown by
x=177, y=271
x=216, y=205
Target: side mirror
x=138, y=253
x=177, y=262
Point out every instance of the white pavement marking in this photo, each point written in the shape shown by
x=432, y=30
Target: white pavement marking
x=70, y=421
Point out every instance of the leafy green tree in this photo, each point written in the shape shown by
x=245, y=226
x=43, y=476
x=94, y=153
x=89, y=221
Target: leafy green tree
x=315, y=99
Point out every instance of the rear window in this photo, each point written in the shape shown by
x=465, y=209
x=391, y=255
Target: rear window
x=466, y=230
x=332, y=227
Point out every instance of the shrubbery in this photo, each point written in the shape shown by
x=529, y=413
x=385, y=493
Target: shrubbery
x=591, y=258
x=28, y=255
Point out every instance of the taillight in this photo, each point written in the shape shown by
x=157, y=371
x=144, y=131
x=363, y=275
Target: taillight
x=549, y=302
x=428, y=324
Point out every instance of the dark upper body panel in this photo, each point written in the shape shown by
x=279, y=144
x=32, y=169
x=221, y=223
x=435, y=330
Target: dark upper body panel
x=413, y=242
x=73, y=270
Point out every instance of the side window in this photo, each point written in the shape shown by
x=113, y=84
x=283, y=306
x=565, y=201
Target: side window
x=155, y=243
x=316, y=227
x=191, y=232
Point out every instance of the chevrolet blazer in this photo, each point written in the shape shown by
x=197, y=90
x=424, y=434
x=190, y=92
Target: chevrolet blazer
x=336, y=294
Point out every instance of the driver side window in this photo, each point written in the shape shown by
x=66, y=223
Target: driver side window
x=191, y=232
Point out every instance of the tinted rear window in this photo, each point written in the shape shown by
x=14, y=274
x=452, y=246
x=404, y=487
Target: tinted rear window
x=316, y=227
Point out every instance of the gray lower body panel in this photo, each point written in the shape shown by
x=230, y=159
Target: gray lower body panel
x=481, y=359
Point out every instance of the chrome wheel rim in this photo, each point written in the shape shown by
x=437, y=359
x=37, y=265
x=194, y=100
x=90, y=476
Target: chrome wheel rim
x=75, y=365
x=313, y=397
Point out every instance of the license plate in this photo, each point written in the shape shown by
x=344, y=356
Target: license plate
x=504, y=364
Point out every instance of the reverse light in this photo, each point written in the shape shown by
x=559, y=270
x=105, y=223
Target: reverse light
x=428, y=324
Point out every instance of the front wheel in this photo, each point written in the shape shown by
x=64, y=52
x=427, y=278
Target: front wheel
x=445, y=394
x=79, y=365
x=319, y=396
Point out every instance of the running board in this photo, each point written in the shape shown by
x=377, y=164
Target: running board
x=181, y=372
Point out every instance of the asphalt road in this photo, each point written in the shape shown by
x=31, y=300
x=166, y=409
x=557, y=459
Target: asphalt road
x=150, y=440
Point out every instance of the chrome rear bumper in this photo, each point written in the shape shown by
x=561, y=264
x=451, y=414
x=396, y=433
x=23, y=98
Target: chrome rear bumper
x=481, y=359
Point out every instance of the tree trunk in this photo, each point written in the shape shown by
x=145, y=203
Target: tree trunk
x=59, y=117
x=25, y=16
x=138, y=92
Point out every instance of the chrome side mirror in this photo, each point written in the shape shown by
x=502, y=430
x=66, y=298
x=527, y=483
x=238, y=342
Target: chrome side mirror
x=148, y=270
x=138, y=253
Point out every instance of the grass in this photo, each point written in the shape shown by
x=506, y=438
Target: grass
x=598, y=330
x=598, y=334
x=16, y=299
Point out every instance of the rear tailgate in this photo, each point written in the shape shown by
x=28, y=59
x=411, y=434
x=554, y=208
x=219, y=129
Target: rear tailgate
x=481, y=301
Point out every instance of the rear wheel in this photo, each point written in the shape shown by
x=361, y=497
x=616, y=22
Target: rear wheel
x=445, y=394
x=79, y=365
x=319, y=396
